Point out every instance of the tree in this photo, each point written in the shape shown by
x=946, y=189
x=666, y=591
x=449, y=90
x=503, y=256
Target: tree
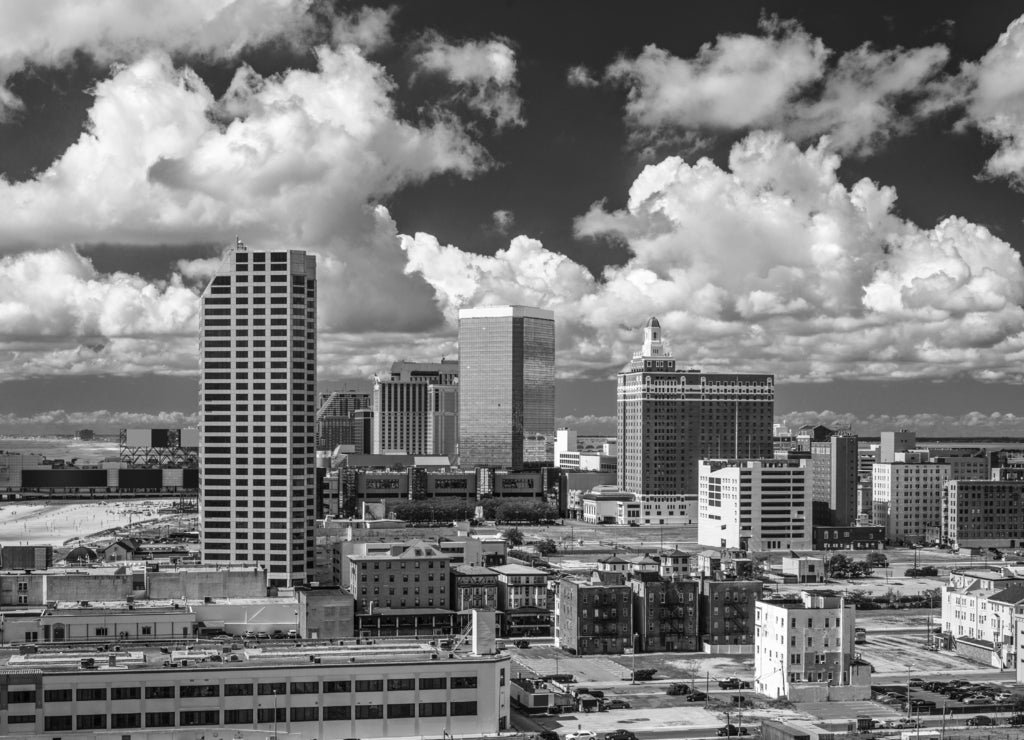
x=514, y=537
x=547, y=547
x=877, y=560
x=840, y=566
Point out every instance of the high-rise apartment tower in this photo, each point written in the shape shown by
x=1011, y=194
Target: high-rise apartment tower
x=670, y=419
x=506, y=382
x=256, y=407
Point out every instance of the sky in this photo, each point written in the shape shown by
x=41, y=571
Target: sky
x=828, y=192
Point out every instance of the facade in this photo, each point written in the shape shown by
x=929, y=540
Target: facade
x=727, y=615
x=334, y=423
x=592, y=617
x=523, y=600
x=983, y=513
x=473, y=587
x=891, y=443
x=336, y=692
x=666, y=613
x=416, y=408
x=907, y=498
x=754, y=505
x=806, y=644
x=857, y=537
x=834, y=478
x=980, y=608
x=669, y=419
x=256, y=408
x=409, y=576
x=674, y=564
x=506, y=383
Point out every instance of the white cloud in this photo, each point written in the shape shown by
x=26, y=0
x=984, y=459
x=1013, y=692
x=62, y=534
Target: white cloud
x=503, y=220
x=781, y=79
x=971, y=424
x=580, y=76
x=102, y=421
x=484, y=70
x=368, y=28
x=770, y=265
x=49, y=33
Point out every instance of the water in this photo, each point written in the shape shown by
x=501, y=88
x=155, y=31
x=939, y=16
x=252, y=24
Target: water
x=64, y=448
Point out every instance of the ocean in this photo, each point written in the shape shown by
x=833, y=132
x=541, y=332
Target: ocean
x=63, y=448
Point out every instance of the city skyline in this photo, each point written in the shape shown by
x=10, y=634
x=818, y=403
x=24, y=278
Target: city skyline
x=437, y=158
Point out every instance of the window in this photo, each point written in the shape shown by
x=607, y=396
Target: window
x=464, y=682
x=57, y=695
x=21, y=697
x=59, y=722
x=92, y=694
x=200, y=717
x=238, y=689
x=124, y=721
x=433, y=683
x=238, y=716
x=463, y=708
x=370, y=685
x=401, y=711
x=21, y=719
x=91, y=721
x=267, y=715
x=160, y=719
x=267, y=689
x=157, y=692
x=305, y=687
x=337, y=687
x=337, y=712
x=126, y=692
x=197, y=690
x=305, y=714
x=369, y=711
x=433, y=709
x=401, y=684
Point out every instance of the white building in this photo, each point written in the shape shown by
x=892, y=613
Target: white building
x=980, y=607
x=568, y=455
x=609, y=505
x=256, y=409
x=754, y=505
x=906, y=497
x=804, y=649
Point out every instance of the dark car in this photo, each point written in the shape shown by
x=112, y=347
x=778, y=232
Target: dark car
x=1016, y=720
x=677, y=689
x=730, y=730
x=696, y=696
x=619, y=735
x=733, y=683
x=616, y=704
x=546, y=735
x=521, y=644
x=982, y=720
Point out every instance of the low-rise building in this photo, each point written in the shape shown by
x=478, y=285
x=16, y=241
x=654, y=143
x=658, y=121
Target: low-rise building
x=674, y=564
x=408, y=576
x=523, y=600
x=803, y=569
x=666, y=614
x=983, y=513
x=592, y=617
x=979, y=609
x=727, y=615
x=804, y=649
x=853, y=537
x=473, y=587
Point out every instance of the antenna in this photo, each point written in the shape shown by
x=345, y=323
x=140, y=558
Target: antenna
x=239, y=244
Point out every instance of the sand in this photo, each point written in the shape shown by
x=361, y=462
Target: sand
x=59, y=524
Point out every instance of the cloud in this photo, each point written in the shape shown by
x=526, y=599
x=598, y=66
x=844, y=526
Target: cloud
x=102, y=421
x=588, y=424
x=580, y=76
x=971, y=424
x=49, y=33
x=771, y=264
x=503, y=220
x=780, y=79
x=485, y=72
x=368, y=28
x=996, y=101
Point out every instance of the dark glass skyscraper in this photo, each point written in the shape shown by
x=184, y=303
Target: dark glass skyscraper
x=506, y=382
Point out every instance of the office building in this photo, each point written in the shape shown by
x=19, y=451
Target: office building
x=256, y=410
x=335, y=423
x=506, y=383
x=834, y=463
x=754, y=505
x=415, y=410
x=906, y=497
x=983, y=513
x=669, y=419
x=804, y=649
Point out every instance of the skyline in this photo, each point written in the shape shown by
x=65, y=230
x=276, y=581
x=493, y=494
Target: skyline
x=436, y=158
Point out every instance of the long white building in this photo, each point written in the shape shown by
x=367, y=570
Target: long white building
x=754, y=504
x=257, y=394
x=906, y=497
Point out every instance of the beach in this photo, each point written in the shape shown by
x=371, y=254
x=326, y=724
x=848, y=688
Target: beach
x=60, y=523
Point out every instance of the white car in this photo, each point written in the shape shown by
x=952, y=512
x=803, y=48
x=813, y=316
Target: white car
x=581, y=735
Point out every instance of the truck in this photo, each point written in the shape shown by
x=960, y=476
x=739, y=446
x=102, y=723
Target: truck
x=860, y=636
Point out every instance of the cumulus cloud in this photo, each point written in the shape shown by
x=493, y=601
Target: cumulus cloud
x=971, y=424
x=503, y=220
x=49, y=33
x=781, y=79
x=103, y=421
x=485, y=72
x=580, y=76
x=769, y=264
x=368, y=28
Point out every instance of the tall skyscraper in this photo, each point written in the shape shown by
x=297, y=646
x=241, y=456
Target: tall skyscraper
x=256, y=408
x=415, y=410
x=506, y=382
x=670, y=419
x=335, y=424
x=834, y=464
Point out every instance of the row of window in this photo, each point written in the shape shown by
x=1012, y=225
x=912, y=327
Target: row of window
x=208, y=717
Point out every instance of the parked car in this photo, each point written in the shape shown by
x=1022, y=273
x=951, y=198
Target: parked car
x=976, y=699
x=916, y=682
x=262, y=635
x=1016, y=720
x=249, y=634
x=546, y=735
x=277, y=635
x=521, y=644
x=731, y=730
x=677, y=689
x=616, y=704
x=696, y=696
x=581, y=735
x=732, y=683
x=620, y=735
x=982, y=720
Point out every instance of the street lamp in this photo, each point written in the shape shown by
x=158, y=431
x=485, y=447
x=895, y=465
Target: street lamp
x=275, y=714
